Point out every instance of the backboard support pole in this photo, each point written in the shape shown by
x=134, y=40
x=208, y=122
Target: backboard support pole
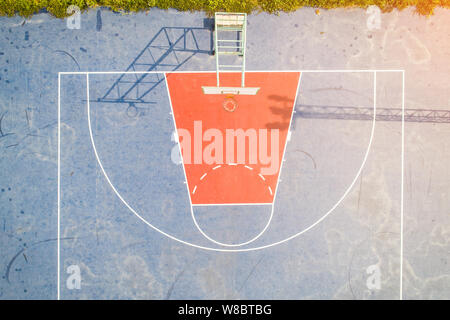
x=224, y=23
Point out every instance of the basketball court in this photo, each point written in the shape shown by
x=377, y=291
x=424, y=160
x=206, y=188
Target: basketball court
x=175, y=181
x=214, y=198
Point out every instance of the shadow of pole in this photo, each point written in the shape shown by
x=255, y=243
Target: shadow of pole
x=365, y=113
x=355, y=114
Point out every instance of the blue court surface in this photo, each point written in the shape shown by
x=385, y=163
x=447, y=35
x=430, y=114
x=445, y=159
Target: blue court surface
x=95, y=202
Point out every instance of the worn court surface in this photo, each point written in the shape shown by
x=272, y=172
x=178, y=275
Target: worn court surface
x=326, y=170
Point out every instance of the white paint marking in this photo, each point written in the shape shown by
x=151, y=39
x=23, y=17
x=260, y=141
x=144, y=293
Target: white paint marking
x=58, y=237
x=253, y=71
x=178, y=142
x=231, y=204
x=285, y=143
x=402, y=185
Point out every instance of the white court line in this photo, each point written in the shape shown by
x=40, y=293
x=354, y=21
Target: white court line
x=283, y=160
x=178, y=140
x=402, y=185
x=59, y=192
x=231, y=204
x=247, y=71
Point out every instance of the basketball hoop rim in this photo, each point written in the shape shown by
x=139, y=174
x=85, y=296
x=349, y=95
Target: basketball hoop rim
x=229, y=99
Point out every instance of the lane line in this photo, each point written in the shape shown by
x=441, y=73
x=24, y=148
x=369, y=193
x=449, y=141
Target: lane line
x=178, y=140
x=402, y=185
x=58, y=294
x=286, y=142
x=232, y=204
x=229, y=71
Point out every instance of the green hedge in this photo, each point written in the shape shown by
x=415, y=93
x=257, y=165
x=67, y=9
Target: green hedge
x=58, y=7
